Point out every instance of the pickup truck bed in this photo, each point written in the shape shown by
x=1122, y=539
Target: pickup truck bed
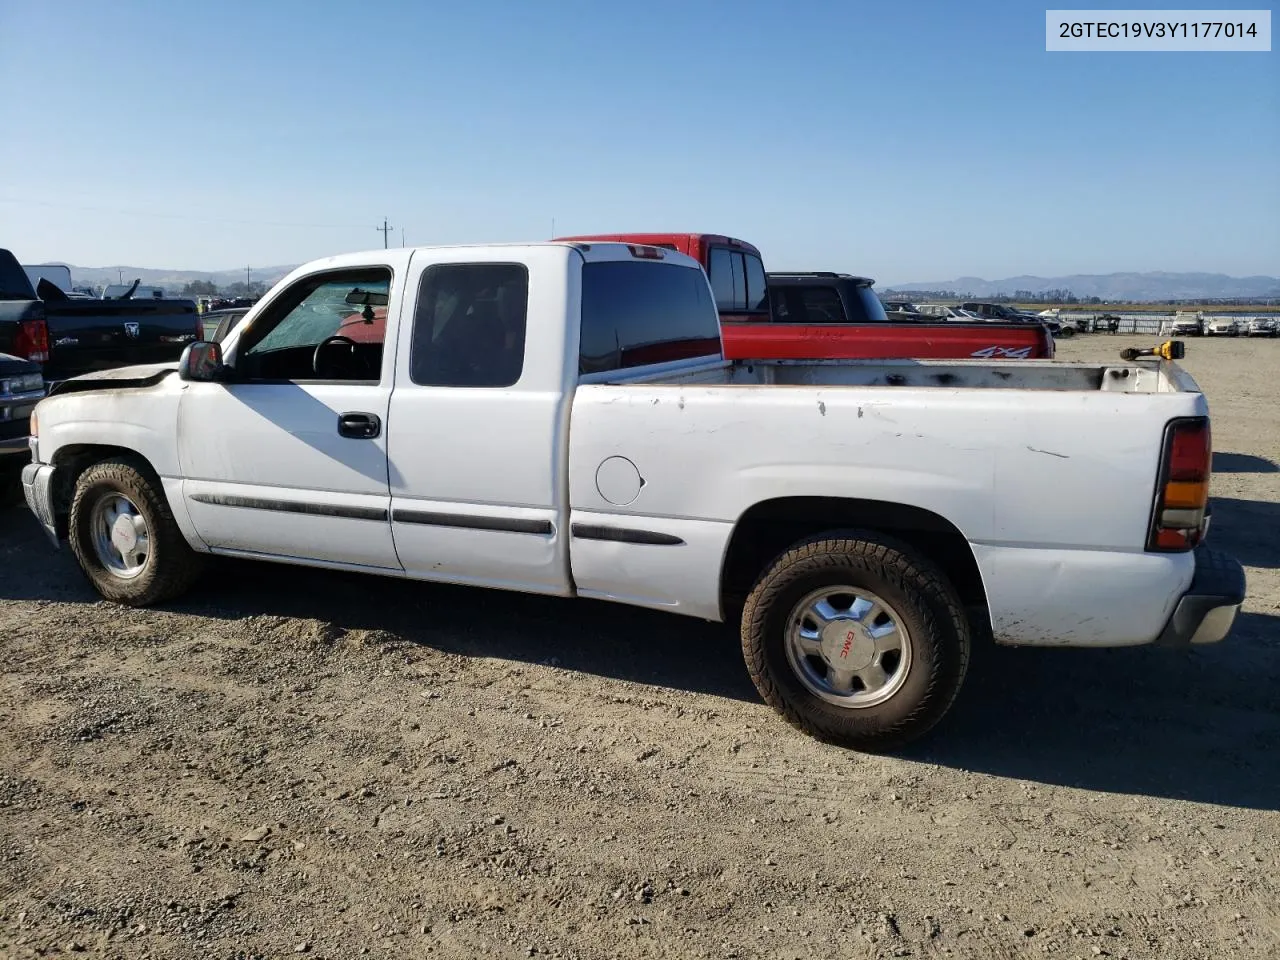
x=557, y=418
x=925, y=432
x=824, y=315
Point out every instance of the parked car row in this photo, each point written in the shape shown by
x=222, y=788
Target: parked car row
x=561, y=418
x=1240, y=327
x=1194, y=323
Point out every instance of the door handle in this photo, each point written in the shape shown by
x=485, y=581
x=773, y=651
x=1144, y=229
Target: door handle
x=359, y=426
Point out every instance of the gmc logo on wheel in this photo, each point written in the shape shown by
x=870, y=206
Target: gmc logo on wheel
x=848, y=644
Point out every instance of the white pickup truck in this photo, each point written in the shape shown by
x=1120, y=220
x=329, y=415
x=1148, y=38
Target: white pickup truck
x=557, y=418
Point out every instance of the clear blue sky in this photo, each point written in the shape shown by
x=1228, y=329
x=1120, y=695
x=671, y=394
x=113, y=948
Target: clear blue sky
x=904, y=140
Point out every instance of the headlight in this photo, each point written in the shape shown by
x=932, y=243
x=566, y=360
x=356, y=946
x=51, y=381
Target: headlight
x=27, y=383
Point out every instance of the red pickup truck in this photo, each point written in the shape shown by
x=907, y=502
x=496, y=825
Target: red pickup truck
x=826, y=316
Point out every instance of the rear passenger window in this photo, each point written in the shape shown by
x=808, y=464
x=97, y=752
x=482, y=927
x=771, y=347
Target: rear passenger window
x=637, y=312
x=721, y=276
x=738, y=281
x=757, y=288
x=469, y=325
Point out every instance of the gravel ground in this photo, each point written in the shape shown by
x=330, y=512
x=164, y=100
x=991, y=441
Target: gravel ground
x=293, y=762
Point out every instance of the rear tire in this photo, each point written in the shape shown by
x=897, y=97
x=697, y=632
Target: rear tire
x=125, y=538
x=907, y=661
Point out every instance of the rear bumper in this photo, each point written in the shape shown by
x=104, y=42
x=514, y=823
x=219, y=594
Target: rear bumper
x=37, y=487
x=1208, y=609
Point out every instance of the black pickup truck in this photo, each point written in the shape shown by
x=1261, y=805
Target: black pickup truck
x=68, y=337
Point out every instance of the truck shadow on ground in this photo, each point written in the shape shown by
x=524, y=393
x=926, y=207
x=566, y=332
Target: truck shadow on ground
x=1243, y=463
x=1200, y=725
x=1247, y=529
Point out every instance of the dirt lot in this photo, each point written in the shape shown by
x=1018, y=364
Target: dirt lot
x=298, y=762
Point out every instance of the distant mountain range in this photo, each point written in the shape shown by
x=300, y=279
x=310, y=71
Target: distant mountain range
x=1112, y=286
x=1132, y=287
x=172, y=280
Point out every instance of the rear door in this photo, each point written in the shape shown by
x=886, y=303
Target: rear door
x=480, y=416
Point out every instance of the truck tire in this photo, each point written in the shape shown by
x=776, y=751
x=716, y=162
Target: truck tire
x=857, y=640
x=124, y=537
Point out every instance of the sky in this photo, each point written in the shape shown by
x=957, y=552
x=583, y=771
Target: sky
x=903, y=141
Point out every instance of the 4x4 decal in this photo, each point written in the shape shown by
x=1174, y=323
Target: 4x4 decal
x=1009, y=353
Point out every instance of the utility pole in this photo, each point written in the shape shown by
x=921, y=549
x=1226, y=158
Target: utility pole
x=246, y=281
x=385, y=230
x=119, y=275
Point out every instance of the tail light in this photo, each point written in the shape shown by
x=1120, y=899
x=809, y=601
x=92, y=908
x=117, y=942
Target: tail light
x=32, y=340
x=1178, y=522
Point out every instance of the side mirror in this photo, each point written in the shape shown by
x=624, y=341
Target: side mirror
x=202, y=362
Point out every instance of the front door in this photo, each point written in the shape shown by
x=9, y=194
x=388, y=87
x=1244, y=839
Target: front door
x=289, y=458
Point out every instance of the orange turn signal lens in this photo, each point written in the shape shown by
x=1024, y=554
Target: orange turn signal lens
x=1186, y=495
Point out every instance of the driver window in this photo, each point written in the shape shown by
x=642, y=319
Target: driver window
x=328, y=326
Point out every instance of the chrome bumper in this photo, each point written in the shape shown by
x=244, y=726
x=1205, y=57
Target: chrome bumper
x=37, y=487
x=1208, y=609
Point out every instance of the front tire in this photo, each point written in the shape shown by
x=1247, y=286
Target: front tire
x=125, y=539
x=857, y=640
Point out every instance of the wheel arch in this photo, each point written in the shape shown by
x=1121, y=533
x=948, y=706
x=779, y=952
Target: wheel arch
x=769, y=528
x=72, y=460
